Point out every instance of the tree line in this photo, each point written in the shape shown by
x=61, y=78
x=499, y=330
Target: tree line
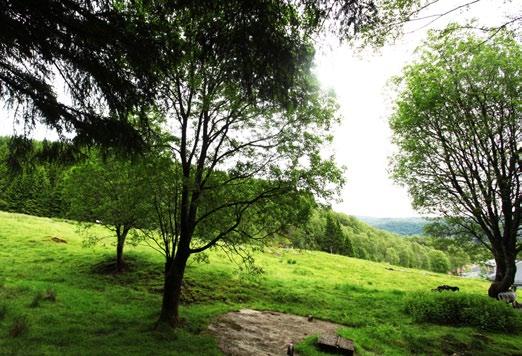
x=120, y=194
x=335, y=232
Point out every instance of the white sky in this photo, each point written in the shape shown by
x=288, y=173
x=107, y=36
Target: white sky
x=362, y=142
x=360, y=80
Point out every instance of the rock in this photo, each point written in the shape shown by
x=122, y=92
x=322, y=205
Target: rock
x=335, y=344
x=267, y=333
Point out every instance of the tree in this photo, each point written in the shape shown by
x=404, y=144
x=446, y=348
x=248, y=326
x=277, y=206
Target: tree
x=112, y=55
x=392, y=257
x=458, y=258
x=424, y=260
x=243, y=158
x=108, y=55
x=443, y=234
x=361, y=252
x=439, y=262
x=406, y=256
x=113, y=192
x=347, y=246
x=390, y=18
x=333, y=239
x=457, y=125
x=32, y=188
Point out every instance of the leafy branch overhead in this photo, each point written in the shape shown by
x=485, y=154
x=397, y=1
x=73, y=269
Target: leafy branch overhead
x=94, y=67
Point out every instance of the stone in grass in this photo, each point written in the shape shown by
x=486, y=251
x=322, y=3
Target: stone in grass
x=335, y=344
x=58, y=240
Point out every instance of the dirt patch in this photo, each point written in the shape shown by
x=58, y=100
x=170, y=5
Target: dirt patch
x=251, y=332
x=58, y=240
x=110, y=268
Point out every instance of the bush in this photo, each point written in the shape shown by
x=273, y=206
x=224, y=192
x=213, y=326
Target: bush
x=463, y=310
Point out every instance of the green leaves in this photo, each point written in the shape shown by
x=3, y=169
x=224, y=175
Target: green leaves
x=113, y=190
x=457, y=125
x=463, y=309
x=456, y=120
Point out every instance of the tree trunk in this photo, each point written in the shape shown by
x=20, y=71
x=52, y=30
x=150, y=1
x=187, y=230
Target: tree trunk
x=174, y=272
x=505, y=274
x=120, y=263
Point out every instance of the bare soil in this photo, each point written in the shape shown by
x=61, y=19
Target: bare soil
x=252, y=332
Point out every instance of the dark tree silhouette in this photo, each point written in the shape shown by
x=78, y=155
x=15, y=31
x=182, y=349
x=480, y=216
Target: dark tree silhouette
x=96, y=50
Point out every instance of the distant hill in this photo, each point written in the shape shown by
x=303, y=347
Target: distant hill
x=402, y=226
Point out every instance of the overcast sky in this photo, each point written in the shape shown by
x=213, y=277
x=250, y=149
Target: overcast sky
x=360, y=81
x=362, y=141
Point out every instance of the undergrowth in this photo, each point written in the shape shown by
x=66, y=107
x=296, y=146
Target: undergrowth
x=464, y=309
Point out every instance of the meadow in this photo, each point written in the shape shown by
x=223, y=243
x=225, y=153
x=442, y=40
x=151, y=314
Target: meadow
x=54, y=300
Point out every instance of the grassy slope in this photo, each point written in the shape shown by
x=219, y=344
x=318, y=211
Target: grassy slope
x=106, y=314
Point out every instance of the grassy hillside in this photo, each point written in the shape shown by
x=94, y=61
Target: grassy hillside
x=113, y=314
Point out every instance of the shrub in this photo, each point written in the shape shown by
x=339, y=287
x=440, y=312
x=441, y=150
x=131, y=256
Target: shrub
x=463, y=309
x=20, y=326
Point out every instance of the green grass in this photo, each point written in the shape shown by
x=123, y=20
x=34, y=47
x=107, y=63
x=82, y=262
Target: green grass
x=100, y=314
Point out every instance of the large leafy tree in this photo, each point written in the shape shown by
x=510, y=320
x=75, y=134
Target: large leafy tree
x=244, y=154
x=110, y=57
x=457, y=126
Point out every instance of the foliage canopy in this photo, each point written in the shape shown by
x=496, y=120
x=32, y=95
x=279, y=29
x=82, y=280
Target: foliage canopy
x=457, y=126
